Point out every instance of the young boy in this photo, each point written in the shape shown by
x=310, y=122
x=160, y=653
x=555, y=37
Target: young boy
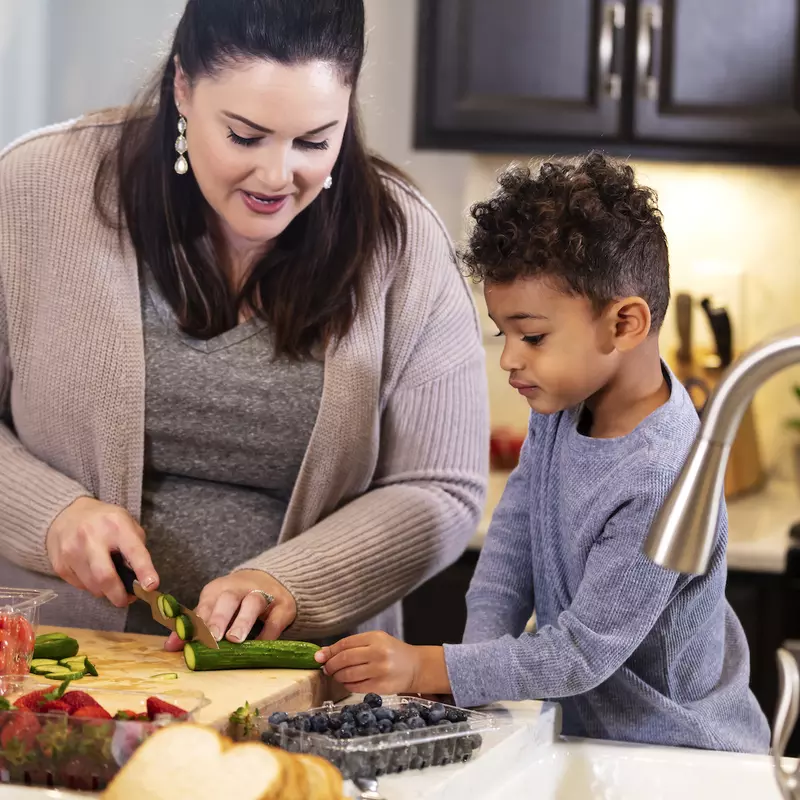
x=574, y=262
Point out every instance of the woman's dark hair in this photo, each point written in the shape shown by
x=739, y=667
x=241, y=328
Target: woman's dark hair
x=309, y=285
x=588, y=224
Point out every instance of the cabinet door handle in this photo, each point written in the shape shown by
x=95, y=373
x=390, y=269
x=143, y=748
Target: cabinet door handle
x=650, y=21
x=786, y=716
x=613, y=22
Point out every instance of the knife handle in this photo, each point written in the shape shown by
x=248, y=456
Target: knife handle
x=126, y=574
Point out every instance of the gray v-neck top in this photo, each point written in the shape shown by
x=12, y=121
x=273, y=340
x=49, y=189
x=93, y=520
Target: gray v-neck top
x=226, y=429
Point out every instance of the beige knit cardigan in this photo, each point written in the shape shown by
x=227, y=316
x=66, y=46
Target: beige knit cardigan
x=393, y=481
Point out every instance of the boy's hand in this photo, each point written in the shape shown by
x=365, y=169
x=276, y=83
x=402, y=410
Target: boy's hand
x=377, y=662
x=372, y=662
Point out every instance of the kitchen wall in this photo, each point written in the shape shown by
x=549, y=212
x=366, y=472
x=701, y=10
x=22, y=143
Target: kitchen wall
x=733, y=233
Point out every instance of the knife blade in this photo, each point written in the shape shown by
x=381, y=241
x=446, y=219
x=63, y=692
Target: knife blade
x=132, y=586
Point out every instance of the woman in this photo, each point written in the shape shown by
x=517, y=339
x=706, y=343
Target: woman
x=234, y=347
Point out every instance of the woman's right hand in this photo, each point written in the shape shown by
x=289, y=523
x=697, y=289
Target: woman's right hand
x=80, y=542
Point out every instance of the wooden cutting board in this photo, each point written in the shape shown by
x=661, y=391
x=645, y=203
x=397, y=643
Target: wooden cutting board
x=127, y=661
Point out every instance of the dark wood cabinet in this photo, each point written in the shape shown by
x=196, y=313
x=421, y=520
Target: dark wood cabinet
x=683, y=78
x=721, y=71
x=531, y=67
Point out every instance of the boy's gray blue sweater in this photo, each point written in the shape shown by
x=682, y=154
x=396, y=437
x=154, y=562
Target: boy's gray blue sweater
x=632, y=651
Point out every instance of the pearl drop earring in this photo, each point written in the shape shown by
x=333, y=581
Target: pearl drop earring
x=181, y=165
x=327, y=183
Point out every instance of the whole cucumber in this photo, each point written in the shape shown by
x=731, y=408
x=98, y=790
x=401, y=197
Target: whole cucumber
x=251, y=655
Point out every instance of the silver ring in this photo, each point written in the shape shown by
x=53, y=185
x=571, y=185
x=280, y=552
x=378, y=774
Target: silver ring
x=268, y=598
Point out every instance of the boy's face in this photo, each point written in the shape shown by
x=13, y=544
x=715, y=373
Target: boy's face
x=558, y=351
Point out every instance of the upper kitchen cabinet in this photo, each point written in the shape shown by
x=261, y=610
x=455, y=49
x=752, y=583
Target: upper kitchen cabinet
x=492, y=70
x=707, y=79
x=723, y=71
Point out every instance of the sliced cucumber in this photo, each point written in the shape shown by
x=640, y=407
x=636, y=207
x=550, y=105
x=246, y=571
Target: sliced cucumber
x=45, y=669
x=60, y=672
x=91, y=669
x=41, y=662
x=65, y=676
x=184, y=627
x=74, y=662
x=165, y=676
x=172, y=608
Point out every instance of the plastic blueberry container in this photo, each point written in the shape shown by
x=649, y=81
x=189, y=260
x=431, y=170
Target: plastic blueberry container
x=19, y=623
x=388, y=753
x=60, y=751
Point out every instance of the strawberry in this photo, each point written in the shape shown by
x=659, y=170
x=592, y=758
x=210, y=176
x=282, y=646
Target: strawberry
x=55, y=706
x=22, y=728
x=33, y=700
x=90, y=712
x=77, y=699
x=156, y=706
x=126, y=715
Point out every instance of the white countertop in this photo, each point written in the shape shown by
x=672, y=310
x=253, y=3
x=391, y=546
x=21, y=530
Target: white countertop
x=533, y=762
x=758, y=524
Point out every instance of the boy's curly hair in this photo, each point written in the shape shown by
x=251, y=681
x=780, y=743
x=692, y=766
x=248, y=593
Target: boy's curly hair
x=587, y=224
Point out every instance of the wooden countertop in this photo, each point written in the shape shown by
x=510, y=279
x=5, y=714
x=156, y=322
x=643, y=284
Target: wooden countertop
x=128, y=661
x=758, y=524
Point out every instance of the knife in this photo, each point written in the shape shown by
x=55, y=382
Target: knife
x=132, y=586
x=721, y=329
x=683, y=306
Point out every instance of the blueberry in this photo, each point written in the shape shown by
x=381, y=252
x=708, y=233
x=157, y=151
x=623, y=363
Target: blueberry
x=385, y=713
x=268, y=738
x=444, y=722
x=365, y=718
x=476, y=740
x=348, y=717
x=416, y=723
x=373, y=730
x=278, y=717
x=400, y=726
x=319, y=723
x=416, y=763
x=361, y=707
x=453, y=715
x=385, y=725
x=436, y=714
x=345, y=732
x=373, y=700
x=335, y=722
x=302, y=723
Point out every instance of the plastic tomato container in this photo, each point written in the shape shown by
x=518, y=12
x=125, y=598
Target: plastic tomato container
x=57, y=750
x=19, y=622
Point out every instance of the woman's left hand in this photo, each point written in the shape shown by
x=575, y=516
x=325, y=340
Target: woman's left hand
x=231, y=605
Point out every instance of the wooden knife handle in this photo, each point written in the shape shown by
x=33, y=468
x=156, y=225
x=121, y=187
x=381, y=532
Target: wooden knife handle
x=126, y=574
x=683, y=308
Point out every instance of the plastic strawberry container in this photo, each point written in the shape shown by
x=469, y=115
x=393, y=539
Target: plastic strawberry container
x=60, y=751
x=19, y=623
x=394, y=752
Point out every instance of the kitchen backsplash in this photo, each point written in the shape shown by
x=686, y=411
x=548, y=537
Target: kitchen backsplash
x=733, y=233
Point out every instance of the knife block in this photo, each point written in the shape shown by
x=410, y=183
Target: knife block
x=744, y=472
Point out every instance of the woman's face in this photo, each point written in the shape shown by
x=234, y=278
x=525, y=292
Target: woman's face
x=262, y=139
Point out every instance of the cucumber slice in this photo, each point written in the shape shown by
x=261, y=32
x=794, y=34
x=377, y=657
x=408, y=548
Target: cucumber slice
x=46, y=669
x=91, y=669
x=41, y=662
x=165, y=676
x=184, y=628
x=65, y=676
x=172, y=608
x=58, y=671
x=76, y=662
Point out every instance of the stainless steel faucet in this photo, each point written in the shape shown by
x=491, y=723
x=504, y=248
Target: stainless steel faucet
x=683, y=532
